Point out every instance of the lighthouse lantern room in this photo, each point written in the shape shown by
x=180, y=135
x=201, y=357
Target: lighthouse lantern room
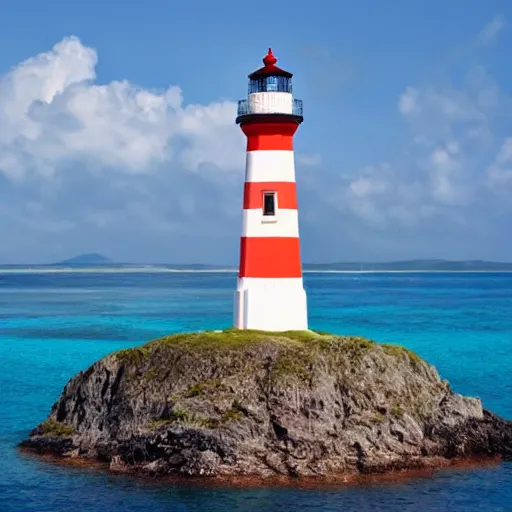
x=270, y=293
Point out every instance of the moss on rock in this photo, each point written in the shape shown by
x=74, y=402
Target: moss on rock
x=52, y=428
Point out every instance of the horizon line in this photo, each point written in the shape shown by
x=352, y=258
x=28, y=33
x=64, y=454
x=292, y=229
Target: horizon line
x=163, y=270
x=214, y=265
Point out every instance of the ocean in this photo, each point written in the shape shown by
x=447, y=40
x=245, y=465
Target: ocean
x=53, y=325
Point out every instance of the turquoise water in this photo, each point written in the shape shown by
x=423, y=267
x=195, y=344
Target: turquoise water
x=53, y=325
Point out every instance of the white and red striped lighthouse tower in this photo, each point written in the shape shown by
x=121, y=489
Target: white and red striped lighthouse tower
x=270, y=294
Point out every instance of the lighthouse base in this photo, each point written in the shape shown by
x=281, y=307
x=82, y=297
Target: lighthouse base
x=278, y=304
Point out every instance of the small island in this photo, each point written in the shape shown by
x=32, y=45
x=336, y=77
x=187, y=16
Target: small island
x=241, y=403
x=86, y=259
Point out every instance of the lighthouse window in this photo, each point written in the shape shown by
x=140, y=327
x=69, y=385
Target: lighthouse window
x=272, y=83
x=257, y=85
x=269, y=203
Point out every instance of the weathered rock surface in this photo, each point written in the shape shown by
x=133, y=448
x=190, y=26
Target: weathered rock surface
x=263, y=404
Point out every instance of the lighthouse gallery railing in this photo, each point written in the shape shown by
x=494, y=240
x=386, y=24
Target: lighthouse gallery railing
x=243, y=108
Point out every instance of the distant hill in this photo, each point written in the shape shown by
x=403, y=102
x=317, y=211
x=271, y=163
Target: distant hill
x=87, y=259
x=415, y=265
x=427, y=265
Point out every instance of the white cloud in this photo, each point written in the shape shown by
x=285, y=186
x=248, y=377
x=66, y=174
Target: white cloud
x=135, y=172
x=499, y=173
x=383, y=196
x=127, y=167
x=53, y=114
x=408, y=102
x=442, y=176
x=491, y=30
x=505, y=154
x=450, y=172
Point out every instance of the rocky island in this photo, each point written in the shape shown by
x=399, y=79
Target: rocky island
x=260, y=404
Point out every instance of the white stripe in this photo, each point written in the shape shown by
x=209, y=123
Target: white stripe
x=270, y=102
x=270, y=282
x=284, y=224
x=271, y=165
x=271, y=304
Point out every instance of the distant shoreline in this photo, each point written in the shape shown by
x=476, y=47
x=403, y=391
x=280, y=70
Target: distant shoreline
x=164, y=270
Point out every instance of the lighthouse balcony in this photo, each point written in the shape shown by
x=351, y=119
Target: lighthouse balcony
x=270, y=103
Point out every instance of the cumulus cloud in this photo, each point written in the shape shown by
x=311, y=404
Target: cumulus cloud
x=442, y=195
x=114, y=161
x=141, y=175
x=499, y=173
x=54, y=114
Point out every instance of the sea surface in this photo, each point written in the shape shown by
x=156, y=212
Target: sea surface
x=53, y=325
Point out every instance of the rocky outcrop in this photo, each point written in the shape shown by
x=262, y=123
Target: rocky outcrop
x=267, y=404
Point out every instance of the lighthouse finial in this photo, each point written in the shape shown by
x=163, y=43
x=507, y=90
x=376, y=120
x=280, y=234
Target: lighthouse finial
x=269, y=59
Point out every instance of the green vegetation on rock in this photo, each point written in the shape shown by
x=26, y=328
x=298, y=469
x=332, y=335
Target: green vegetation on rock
x=194, y=390
x=399, y=351
x=297, y=352
x=397, y=411
x=52, y=428
x=212, y=340
x=378, y=418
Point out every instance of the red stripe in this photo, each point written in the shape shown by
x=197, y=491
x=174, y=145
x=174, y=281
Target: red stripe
x=269, y=143
x=270, y=136
x=270, y=257
x=286, y=194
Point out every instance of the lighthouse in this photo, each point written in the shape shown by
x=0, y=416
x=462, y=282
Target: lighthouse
x=270, y=294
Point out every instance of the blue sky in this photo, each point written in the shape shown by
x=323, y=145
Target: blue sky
x=117, y=129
